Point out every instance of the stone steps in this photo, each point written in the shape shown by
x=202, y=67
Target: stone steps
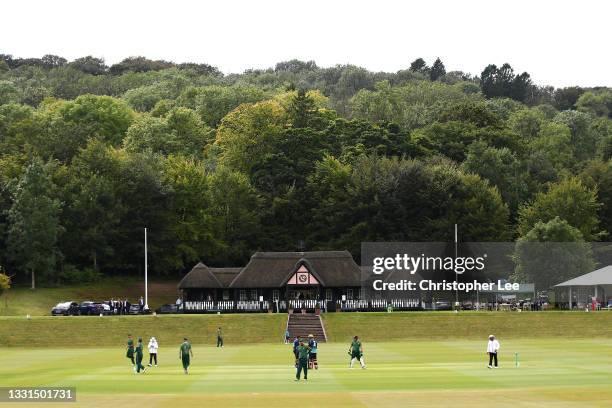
x=302, y=325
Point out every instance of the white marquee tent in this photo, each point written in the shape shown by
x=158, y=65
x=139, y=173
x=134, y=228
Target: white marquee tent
x=598, y=283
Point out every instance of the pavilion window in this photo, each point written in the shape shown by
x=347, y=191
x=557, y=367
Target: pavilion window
x=329, y=294
x=349, y=294
x=226, y=295
x=253, y=294
x=362, y=293
x=275, y=294
x=243, y=295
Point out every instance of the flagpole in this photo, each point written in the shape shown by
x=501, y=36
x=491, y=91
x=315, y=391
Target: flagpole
x=146, y=297
x=456, y=274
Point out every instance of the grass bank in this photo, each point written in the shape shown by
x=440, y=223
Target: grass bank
x=468, y=325
x=94, y=331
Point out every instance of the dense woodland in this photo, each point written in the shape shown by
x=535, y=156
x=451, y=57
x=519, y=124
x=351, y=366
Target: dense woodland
x=296, y=156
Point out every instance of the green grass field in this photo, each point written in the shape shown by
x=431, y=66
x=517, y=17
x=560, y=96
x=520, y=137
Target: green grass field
x=415, y=359
x=553, y=372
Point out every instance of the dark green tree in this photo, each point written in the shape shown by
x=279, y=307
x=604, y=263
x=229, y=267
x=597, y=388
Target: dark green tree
x=89, y=65
x=93, y=207
x=566, y=98
x=521, y=85
x=419, y=65
x=437, y=70
x=502, y=168
x=502, y=82
x=301, y=109
x=34, y=223
x=569, y=200
x=550, y=253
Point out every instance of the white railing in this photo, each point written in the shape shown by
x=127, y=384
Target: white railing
x=257, y=306
x=379, y=304
x=226, y=305
x=199, y=305
x=304, y=304
x=252, y=305
x=354, y=305
x=406, y=303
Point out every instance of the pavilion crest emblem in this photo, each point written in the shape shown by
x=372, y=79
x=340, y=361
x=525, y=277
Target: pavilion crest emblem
x=303, y=277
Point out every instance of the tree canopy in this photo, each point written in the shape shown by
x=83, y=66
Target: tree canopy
x=218, y=166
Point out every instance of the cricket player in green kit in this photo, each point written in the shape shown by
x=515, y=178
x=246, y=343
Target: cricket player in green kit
x=130, y=350
x=356, y=352
x=185, y=353
x=138, y=351
x=219, y=338
x=302, y=353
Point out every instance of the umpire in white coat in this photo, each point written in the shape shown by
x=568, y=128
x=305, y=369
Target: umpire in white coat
x=153, y=346
x=492, y=349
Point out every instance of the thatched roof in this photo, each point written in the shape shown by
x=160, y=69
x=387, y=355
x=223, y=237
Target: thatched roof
x=273, y=269
x=201, y=276
x=225, y=275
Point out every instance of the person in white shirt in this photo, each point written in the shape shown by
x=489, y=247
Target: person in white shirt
x=492, y=349
x=153, y=346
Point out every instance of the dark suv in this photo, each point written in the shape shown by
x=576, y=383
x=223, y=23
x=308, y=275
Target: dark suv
x=65, y=309
x=91, y=308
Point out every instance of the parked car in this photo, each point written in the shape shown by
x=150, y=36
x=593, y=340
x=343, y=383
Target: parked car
x=443, y=305
x=467, y=305
x=65, y=309
x=103, y=308
x=91, y=308
x=168, y=309
x=135, y=309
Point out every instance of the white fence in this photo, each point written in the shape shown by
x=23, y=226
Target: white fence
x=229, y=306
x=226, y=306
x=252, y=306
x=305, y=304
x=379, y=304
